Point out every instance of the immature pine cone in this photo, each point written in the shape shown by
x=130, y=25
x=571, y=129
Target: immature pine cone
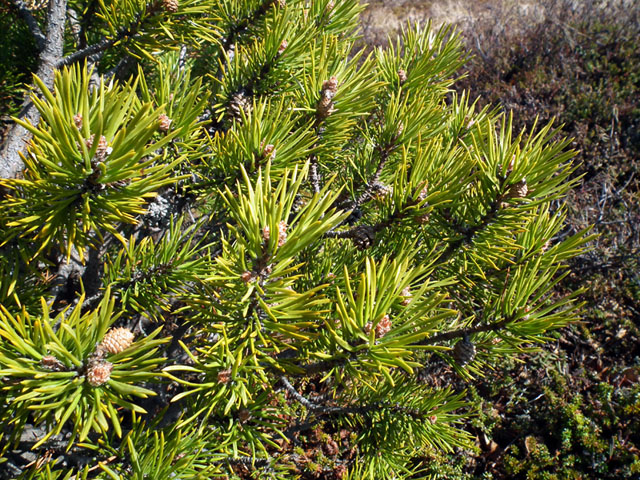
x=325, y=105
x=363, y=236
x=518, y=190
x=170, y=6
x=239, y=103
x=406, y=296
x=268, y=151
x=224, y=376
x=52, y=363
x=247, y=276
x=164, y=123
x=382, y=328
x=464, y=352
x=282, y=233
x=117, y=340
x=99, y=373
x=101, y=150
x=402, y=76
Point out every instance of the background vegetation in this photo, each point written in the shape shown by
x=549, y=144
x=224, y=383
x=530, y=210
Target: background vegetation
x=571, y=411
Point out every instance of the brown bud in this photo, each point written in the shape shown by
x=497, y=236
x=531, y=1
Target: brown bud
x=99, y=373
x=402, y=76
x=102, y=150
x=240, y=104
x=363, y=236
x=406, y=296
x=244, y=415
x=224, y=376
x=52, y=363
x=247, y=277
x=325, y=106
x=268, y=151
x=330, y=85
x=77, y=120
x=518, y=190
x=283, y=47
x=282, y=233
x=117, y=340
x=383, y=327
x=464, y=352
x=422, y=219
x=367, y=328
x=164, y=123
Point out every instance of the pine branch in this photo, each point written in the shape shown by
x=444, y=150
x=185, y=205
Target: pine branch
x=469, y=233
x=375, y=178
x=31, y=22
x=18, y=137
x=128, y=32
x=463, y=332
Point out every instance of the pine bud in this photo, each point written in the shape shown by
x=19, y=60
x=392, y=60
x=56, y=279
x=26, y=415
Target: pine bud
x=224, y=376
x=363, y=236
x=464, y=352
x=117, y=340
x=424, y=193
x=170, y=6
x=325, y=104
x=164, y=123
x=330, y=85
x=383, y=327
x=247, y=277
x=283, y=47
x=244, y=415
x=238, y=105
x=406, y=296
x=402, y=76
x=282, y=3
x=518, y=190
x=52, y=363
x=99, y=373
x=102, y=150
x=282, y=233
x=268, y=151
x=77, y=120
x=422, y=219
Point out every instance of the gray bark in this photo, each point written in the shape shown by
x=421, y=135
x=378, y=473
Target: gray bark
x=18, y=137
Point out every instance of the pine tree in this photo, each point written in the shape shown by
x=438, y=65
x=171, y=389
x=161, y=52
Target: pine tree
x=237, y=246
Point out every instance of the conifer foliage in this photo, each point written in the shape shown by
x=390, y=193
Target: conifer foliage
x=236, y=247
